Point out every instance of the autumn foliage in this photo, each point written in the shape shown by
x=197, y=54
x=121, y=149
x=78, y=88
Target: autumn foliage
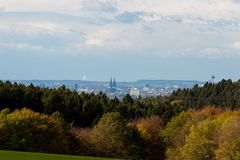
x=207, y=134
x=26, y=130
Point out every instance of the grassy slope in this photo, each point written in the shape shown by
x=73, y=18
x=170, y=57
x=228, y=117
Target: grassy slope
x=10, y=155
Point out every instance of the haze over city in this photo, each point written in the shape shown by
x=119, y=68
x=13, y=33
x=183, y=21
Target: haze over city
x=126, y=39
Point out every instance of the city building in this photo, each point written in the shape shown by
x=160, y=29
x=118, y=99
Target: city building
x=134, y=92
x=112, y=85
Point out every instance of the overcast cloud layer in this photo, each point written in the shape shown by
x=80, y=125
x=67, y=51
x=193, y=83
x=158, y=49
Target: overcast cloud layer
x=199, y=28
x=129, y=39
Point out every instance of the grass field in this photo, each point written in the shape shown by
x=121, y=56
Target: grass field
x=11, y=155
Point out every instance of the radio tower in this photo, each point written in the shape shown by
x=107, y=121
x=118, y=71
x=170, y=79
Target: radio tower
x=213, y=78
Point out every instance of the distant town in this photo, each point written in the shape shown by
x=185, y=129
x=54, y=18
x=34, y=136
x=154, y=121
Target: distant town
x=113, y=88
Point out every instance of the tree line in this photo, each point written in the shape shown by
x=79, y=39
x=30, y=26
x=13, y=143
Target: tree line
x=226, y=93
x=82, y=110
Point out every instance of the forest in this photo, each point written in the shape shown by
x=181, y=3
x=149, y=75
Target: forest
x=196, y=123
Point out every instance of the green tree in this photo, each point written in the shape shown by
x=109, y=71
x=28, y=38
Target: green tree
x=112, y=137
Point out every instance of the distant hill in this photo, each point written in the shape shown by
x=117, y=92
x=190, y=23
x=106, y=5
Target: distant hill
x=183, y=83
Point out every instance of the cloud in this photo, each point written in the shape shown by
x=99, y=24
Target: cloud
x=100, y=5
x=21, y=46
x=163, y=28
x=174, y=18
x=127, y=17
x=32, y=34
x=210, y=52
x=236, y=45
x=206, y=8
x=236, y=1
x=109, y=37
x=2, y=9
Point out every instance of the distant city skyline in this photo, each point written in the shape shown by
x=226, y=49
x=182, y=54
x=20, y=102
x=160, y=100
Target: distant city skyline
x=118, y=89
x=127, y=39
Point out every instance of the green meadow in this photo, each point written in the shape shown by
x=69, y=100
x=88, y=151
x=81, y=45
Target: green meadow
x=12, y=155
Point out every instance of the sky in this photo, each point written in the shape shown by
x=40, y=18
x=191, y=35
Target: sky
x=126, y=39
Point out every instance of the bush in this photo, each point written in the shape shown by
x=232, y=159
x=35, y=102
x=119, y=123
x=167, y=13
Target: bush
x=206, y=134
x=84, y=136
x=179, y=128
x=200, y=143
x=229, y=140
x=25, y=130
x=113, y=138
x=150, y=128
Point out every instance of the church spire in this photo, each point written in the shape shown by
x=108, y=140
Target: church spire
x=111, y=83
x=114, y=84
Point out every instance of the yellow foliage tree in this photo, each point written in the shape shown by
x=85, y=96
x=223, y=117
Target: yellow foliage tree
x=26, y=130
